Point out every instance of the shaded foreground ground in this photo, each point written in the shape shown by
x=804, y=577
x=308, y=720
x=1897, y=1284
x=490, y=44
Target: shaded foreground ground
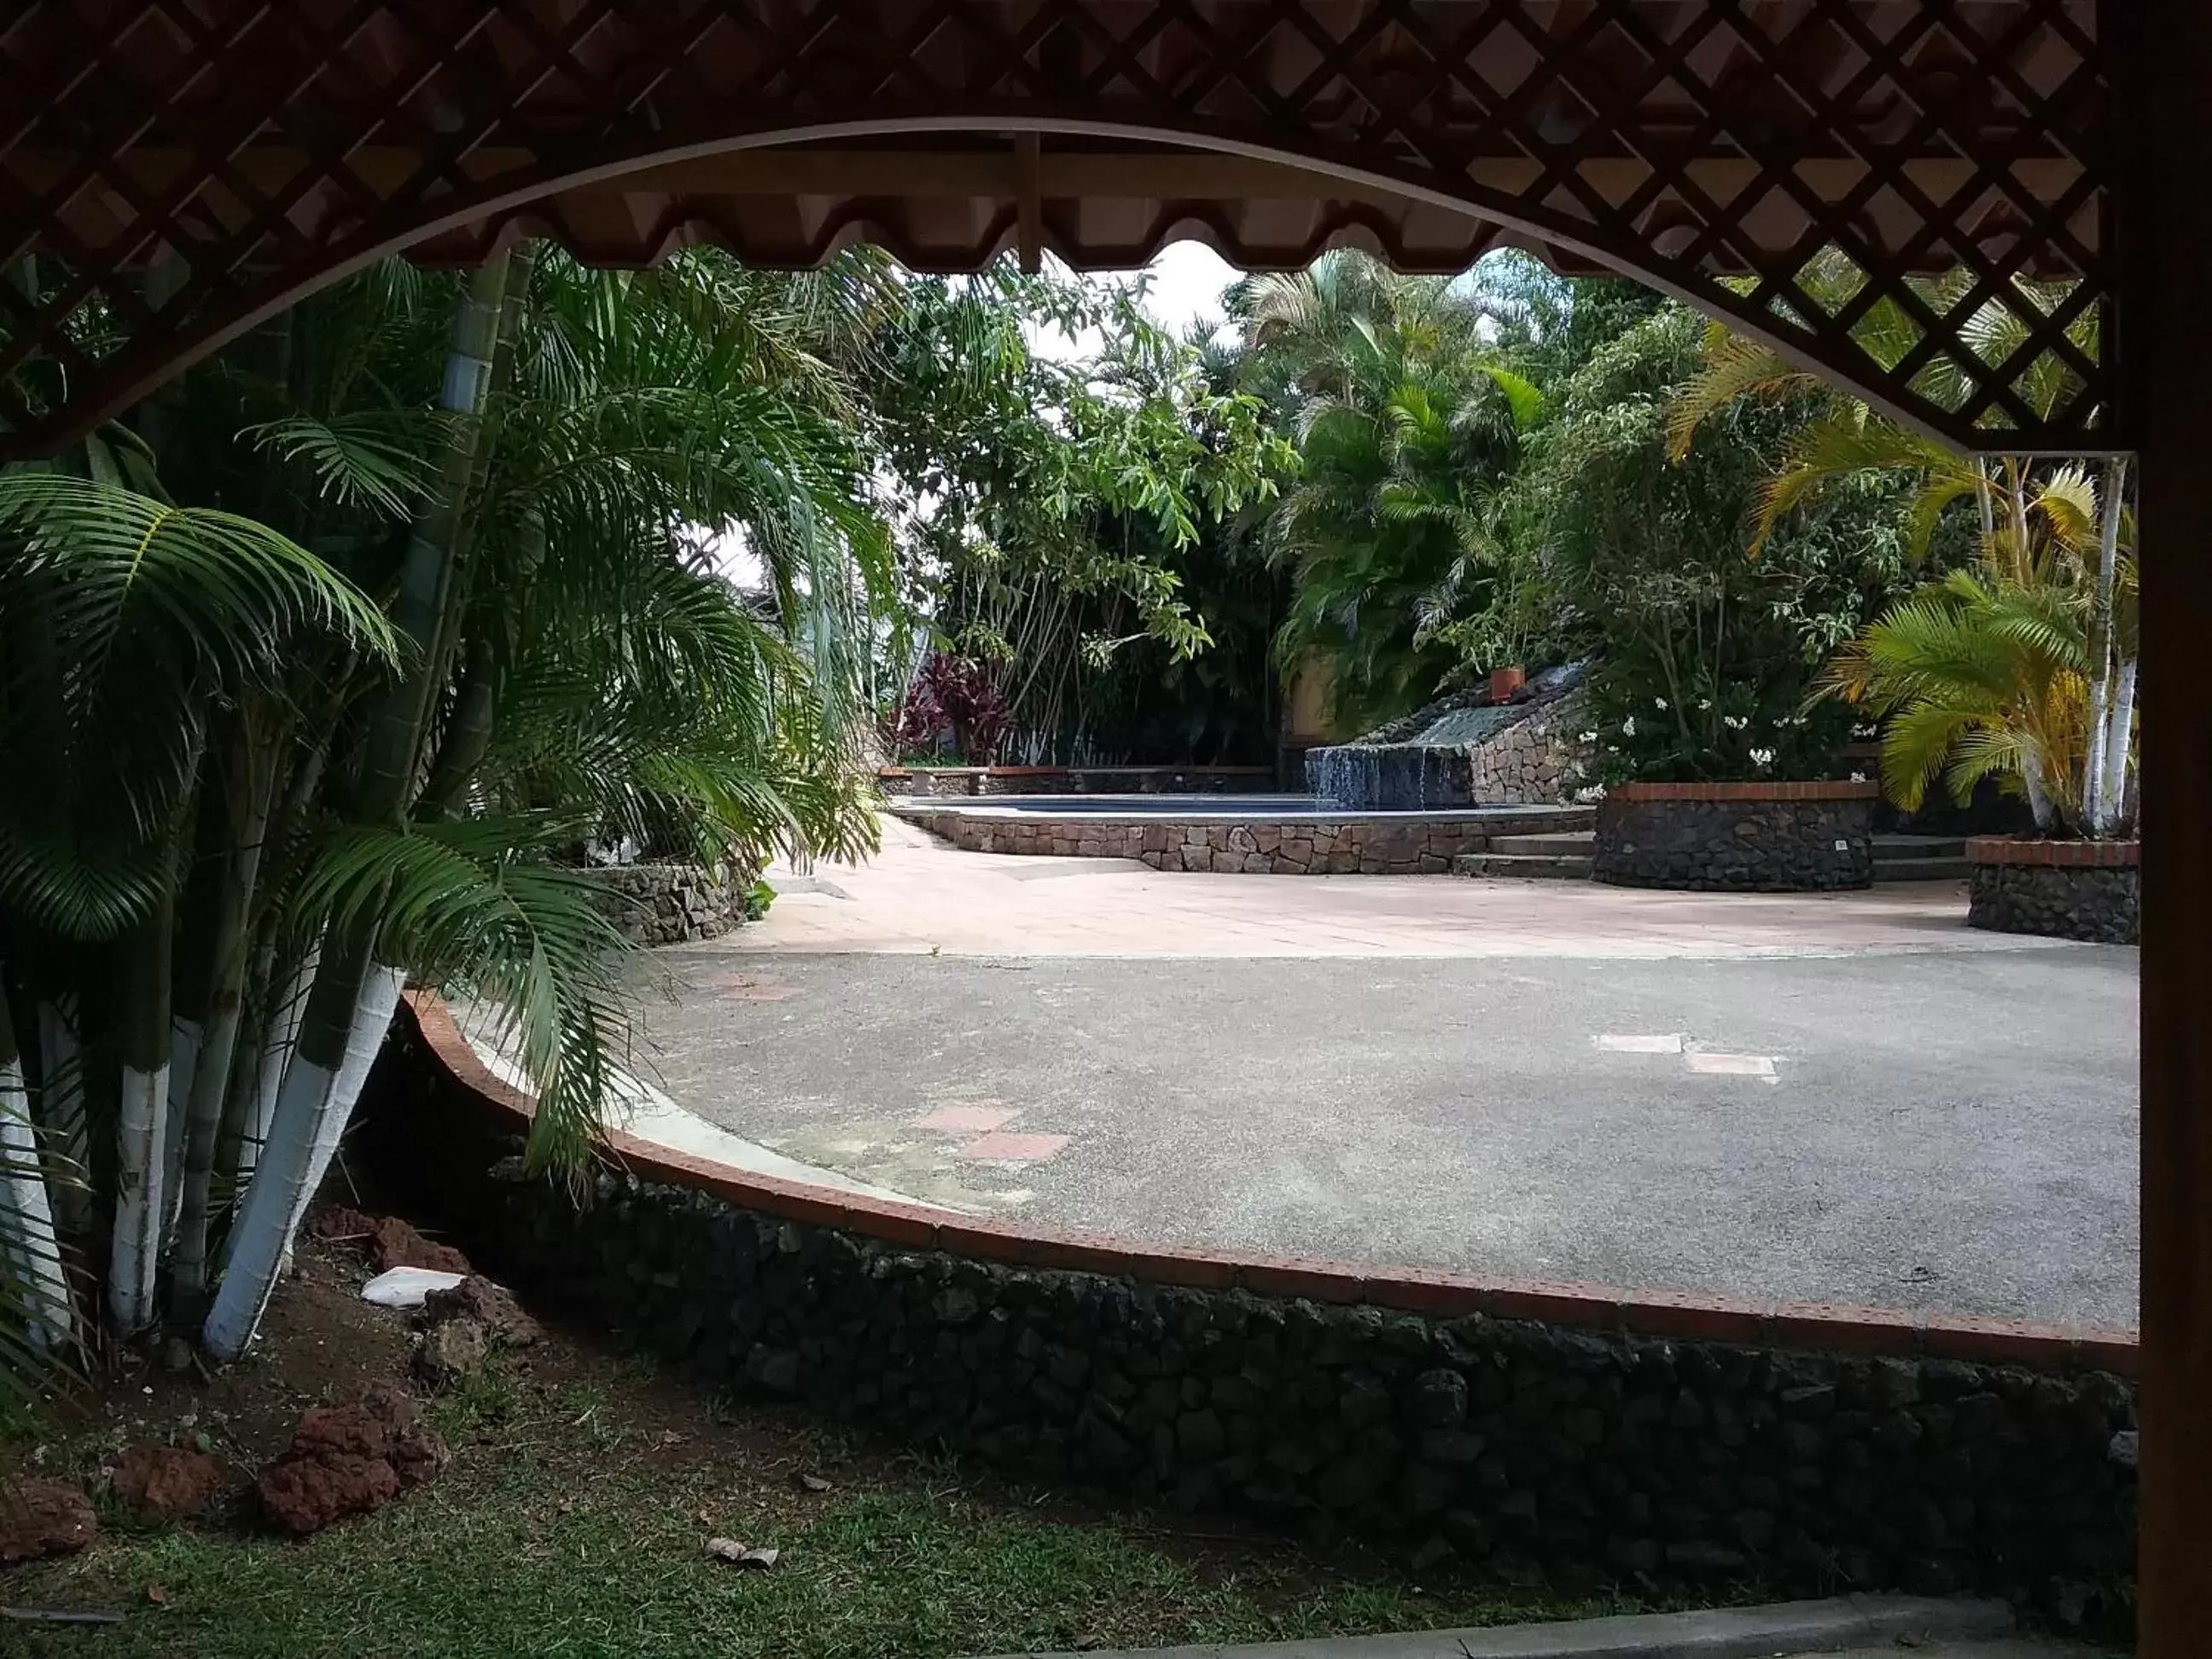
x=574, y=1518
x=1851, y=1099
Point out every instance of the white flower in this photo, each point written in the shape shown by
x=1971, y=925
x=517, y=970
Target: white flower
x=1704, y=703
x=1762, y=757
x=1586, y=737
x=1628, y=726
x=1659, y=703
x=1734, y=722
x=1858, y=777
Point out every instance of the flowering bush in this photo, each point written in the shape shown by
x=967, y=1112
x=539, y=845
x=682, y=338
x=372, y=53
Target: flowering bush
x=1724, y=732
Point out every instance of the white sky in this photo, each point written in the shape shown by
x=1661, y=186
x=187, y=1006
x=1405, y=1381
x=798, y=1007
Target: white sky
x=1188, y=279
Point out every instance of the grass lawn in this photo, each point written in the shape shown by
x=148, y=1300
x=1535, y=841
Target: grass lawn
x=575, y=1517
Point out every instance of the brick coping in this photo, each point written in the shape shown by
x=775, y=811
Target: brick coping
x=1830, y=790
x=2054, y=854
x=1825, y=1326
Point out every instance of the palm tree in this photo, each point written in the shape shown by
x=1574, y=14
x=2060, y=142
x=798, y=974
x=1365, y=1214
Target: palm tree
x=298, y=768
x=1408, y=429
x=2024, y=670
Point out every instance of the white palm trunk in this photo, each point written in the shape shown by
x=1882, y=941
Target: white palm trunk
x=61, y=1110
x=142, y=1128
x=26, y=1215
x=379, y=999
x=2116, y=740
x=258, y=1237
x=276, y=1056
x=185, y=1040
x=310, y=1116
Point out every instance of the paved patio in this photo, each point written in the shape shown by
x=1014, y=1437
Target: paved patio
x=1847, y=1097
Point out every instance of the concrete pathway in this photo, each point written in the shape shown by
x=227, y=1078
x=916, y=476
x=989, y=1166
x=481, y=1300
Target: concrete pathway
x=921, y=895
x=1851, y=1099
x=1849, y=1627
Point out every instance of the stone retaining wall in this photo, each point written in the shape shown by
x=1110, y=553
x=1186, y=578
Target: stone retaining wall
x=1736, y=837
x=673, y=903
x=1419, y=846
x=1529, y=763
x=942, y=782
x=2090, y=890
x=1584, y=1435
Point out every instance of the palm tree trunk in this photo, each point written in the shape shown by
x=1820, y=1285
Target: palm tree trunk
x=2096, y=808
x=280, y=1036
x=2117, y=742
x=135, y=1260
x=62, y=1109
x=248, y=789
x=371, y=1020
x=347, y=986
x=26, y=1217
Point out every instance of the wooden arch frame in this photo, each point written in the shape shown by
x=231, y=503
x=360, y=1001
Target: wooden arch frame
x=173, y=171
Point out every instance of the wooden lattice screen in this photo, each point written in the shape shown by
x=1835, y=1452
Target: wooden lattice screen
x=1910, y=194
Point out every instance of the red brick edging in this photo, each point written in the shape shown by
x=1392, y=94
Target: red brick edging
x=1833, y=1327
x=2057, y=855
x=1749, y=791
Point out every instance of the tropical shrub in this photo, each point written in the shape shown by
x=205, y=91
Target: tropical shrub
x=1709, y=653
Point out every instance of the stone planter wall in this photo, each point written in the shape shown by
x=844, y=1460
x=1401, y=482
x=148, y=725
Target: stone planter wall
x=1585, y=1435
x=1415, y=845
x=939, y=782
x=1736, y=837
x=673, y=903
x=2089, y=890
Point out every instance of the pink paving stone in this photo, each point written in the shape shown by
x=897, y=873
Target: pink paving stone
x=966, y=1120
x=1014, y=1149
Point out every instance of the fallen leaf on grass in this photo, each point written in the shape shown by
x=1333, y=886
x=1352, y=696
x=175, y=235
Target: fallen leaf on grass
x=742, y=1555
x=811, y=1483
x=158, y=1595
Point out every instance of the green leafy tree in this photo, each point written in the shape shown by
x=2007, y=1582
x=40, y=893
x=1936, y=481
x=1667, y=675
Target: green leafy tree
x=1409, y=429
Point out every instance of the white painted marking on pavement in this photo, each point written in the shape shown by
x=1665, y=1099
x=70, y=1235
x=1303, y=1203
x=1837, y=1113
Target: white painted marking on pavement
x=1666, y=1043
x=1731, y=1065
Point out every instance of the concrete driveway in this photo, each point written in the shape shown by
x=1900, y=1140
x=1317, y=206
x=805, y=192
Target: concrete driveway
x=1849, y=1098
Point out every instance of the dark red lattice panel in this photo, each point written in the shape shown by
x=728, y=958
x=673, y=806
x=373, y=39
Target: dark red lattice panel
x=1910, y=194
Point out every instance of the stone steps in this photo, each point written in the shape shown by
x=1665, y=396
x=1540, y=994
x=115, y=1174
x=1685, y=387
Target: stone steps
x=1920, y=858
x=1523, y=867
x=1572, y=843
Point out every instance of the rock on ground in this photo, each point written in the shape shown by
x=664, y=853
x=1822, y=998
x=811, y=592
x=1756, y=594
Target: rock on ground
x=390, y=1242
x=452, y=1349
x=490, y=1306
x=167, y=1483
x=349, y=1460
x=44, y=1516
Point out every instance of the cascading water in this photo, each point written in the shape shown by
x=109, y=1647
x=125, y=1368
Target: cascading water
x=1392, y=777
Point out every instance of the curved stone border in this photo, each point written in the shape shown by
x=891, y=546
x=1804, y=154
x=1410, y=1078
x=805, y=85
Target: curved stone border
x=2080, y=890
x=1736, y=837
x=1558, y=1430
x=1833, y=1327
x=938, y=782
x=1292, y=844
